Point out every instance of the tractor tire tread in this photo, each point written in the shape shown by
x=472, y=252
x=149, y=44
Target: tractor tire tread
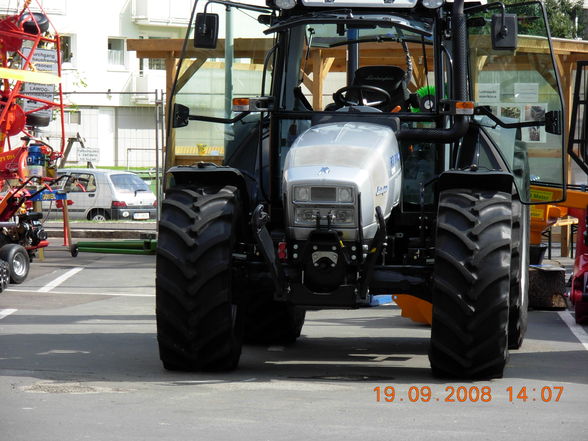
x=196, y=325
x=469, y=330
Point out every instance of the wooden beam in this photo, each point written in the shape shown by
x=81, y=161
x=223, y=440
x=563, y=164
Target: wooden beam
x=187, y=72
x=317, y=80
x=169, y=148
x=154, y=48
x=327, y=63
x=565, y=68
x=306, y=80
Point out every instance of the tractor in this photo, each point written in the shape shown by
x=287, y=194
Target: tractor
x=411, y=179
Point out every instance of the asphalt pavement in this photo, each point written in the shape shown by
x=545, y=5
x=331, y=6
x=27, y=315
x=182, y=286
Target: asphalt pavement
x=78, y=360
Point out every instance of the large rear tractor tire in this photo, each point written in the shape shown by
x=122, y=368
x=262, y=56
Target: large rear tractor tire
x=469, y=333
x=519, y=275
x=198, y=325
x=268, y=321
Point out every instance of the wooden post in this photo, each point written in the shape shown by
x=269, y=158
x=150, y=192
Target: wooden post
x=317, y=80
x=169, y=147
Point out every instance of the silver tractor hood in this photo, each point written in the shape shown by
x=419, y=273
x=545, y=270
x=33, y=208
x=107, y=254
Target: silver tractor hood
x=339, y=173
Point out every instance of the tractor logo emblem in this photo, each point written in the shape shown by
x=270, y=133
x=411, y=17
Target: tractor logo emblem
x=324, y=171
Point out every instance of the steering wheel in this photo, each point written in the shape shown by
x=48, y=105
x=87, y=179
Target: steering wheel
x=342, y=96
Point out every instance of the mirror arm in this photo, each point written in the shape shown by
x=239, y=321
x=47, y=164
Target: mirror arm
x=227, y=3
x=484, y=110
x=212, y=119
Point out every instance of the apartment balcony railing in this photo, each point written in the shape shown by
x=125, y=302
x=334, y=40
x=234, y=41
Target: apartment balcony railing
x=162, y=12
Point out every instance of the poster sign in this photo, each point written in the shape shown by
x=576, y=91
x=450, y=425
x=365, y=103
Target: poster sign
x=88, y=155
x=44, y=60
x=488, y=92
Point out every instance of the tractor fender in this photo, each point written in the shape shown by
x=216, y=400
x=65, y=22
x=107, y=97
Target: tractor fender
x=210, y=174
x=482, y=180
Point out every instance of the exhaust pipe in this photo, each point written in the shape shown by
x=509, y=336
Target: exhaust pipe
x=459, y=51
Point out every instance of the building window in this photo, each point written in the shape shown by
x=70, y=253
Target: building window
x=116, y=51
x=156, y=63
x=66, y=42
x=72, y=117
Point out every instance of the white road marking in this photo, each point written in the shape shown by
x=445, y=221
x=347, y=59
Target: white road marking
x=6, y=312
x=111, y=294
x=58, y=281
x=576, y=329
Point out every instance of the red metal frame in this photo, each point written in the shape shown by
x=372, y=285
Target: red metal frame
x=13, y=161
x=11, y=35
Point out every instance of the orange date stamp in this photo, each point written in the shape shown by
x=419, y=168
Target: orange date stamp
x=468, y=394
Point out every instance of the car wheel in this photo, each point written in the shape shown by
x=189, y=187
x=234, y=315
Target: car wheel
x=98, y=216
x=18, y=260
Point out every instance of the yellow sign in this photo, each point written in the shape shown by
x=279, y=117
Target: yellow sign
x=49, y=197
x=537, y=213
x=541, y=195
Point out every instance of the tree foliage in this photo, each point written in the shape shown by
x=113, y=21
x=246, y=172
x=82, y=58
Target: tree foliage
x=565, y=17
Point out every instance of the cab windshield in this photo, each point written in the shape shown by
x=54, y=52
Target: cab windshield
x=366, y=26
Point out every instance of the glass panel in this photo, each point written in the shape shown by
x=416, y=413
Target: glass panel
x=209, y=91
x=418, y=165
x=81, y=183
x=116, y=54
x=519, y=86
x=128, y=183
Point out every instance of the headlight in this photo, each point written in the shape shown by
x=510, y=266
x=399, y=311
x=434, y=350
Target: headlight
x=342, y=195
x=432, y=4
x=345, y=194
x=344, y=217
x=285, y=4
x=301, y=194
x=306, y=216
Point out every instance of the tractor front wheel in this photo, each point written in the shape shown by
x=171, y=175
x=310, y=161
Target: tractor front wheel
x=469, y=332
x=198, y=324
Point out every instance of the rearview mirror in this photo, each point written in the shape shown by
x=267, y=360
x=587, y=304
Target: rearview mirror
x=181, y=116
x=505, y=31
x=554, y=122
x=206, y=32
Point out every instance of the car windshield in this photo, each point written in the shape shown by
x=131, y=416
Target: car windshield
x=129, y=183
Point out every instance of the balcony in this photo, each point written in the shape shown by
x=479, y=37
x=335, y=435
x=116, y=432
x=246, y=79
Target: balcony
x=144, y=86
x=162, y=12
x=50, y=6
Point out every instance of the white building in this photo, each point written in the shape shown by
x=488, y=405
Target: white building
x=110, y=91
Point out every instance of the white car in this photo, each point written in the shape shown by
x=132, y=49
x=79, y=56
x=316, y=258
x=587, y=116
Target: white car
x=100, y=194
